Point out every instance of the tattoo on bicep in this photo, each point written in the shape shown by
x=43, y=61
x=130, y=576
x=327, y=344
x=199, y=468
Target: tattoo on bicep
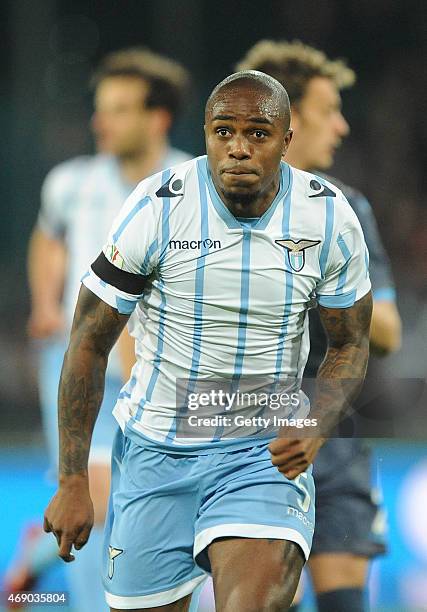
x=347, y=330
x=97, y=321
x=341, y=374
x=347, y=325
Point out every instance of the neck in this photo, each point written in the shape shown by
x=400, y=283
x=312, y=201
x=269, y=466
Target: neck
x=138, y=166
x=250, y=207
x=296, y=161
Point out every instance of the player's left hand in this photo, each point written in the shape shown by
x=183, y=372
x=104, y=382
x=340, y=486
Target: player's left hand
x=293, y=455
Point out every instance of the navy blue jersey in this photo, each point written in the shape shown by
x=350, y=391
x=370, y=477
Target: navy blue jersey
x=379, y=271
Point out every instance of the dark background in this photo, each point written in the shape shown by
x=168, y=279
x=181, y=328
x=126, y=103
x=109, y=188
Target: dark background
x=48, y=50
x=51, y=46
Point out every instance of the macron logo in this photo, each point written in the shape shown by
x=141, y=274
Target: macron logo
x=326, y=192
x=184, y=245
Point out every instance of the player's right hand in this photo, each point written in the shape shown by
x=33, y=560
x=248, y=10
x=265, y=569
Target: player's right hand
x=69, y=516
x=45, y=322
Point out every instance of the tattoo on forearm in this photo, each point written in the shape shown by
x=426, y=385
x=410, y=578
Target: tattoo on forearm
x=343, y=370
x=96, y=327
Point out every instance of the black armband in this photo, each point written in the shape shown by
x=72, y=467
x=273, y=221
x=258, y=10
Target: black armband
x=120, y=279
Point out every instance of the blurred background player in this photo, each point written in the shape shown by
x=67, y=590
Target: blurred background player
x=137, y=97
x=348, y=520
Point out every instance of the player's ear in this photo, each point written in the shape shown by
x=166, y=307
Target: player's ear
x=287, y=141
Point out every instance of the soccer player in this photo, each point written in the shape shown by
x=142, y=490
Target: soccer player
x=137, y=97
x=219, y=258
x=349, y=528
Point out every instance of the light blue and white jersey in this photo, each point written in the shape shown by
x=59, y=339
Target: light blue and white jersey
x=80, y=199
x=217, y=299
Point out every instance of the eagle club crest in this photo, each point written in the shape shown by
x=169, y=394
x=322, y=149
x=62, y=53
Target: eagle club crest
x=112, y=554
x=296, y=251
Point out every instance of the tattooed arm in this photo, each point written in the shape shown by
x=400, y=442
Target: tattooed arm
x=338, y=382
x=342, y=372
x=96, y=327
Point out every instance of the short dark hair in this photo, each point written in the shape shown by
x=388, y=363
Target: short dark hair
x=294, y=64
x=167, y=80
x=261, y=80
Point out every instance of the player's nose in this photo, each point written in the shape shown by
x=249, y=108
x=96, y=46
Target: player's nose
x=239, y=148
x=342, y=126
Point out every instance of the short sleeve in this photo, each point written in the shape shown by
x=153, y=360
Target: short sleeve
x=57, y=194
x=346, y=277
x=118, y=276
x=51, y=214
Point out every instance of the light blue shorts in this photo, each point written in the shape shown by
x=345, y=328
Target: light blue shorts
x=165, y=509
x=50, y=364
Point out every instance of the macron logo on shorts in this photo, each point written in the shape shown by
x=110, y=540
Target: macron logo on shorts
x=112, y=553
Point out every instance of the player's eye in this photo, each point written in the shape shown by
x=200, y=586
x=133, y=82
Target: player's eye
x=329, y=111
x=259, y=134
x=223, y=132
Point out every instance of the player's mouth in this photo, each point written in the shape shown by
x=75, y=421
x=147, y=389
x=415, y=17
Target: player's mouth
x=239, y=171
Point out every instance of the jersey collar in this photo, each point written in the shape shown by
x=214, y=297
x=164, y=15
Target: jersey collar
x=228, y=218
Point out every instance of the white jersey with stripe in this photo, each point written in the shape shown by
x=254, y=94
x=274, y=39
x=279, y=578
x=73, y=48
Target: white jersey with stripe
x=223, y=301
x=80, y=200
